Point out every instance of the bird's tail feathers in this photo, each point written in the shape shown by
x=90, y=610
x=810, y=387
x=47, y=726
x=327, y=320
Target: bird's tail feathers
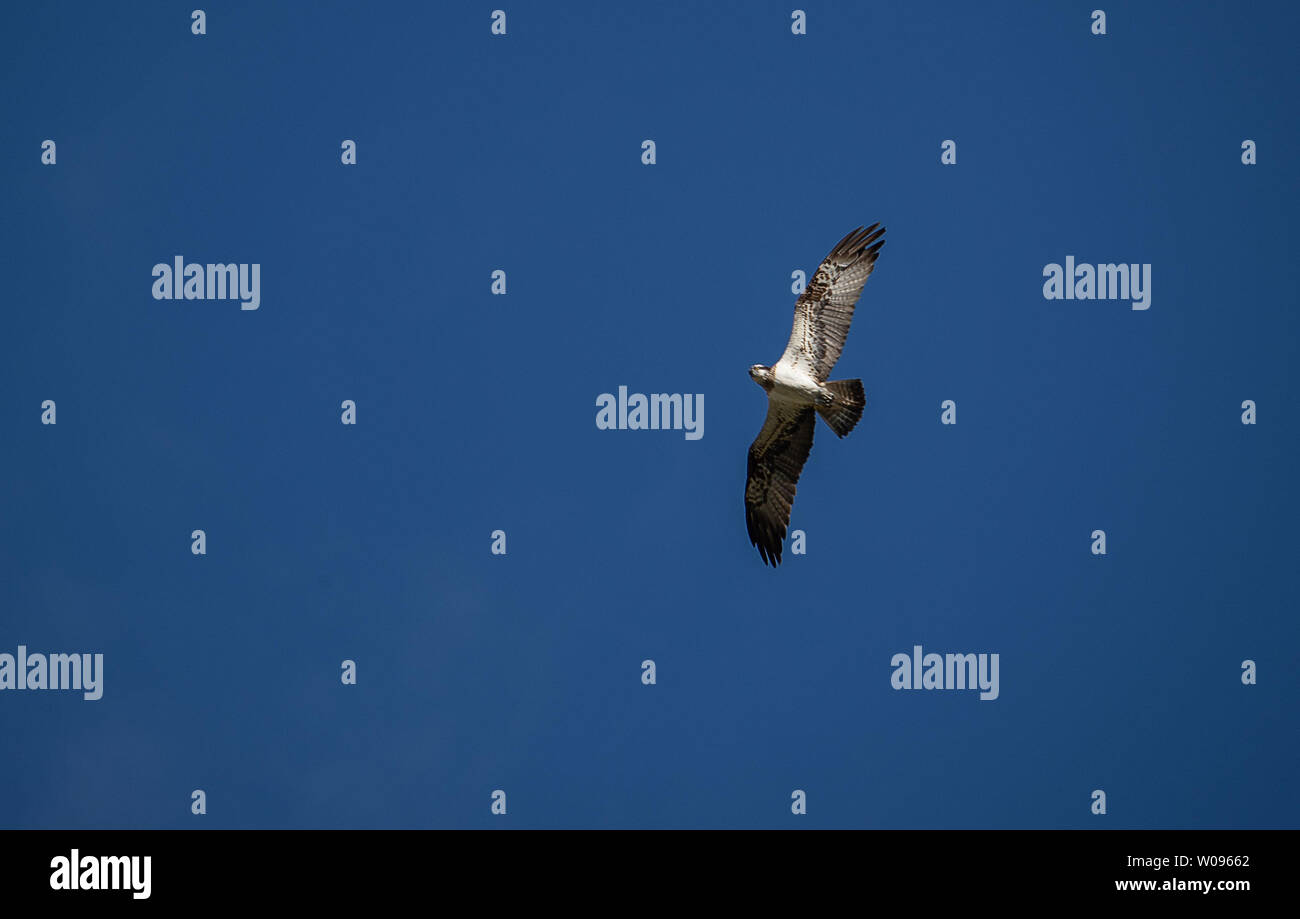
x=846, y=410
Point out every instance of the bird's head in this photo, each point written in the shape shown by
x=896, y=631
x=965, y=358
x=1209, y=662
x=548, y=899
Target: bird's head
x=761, y=375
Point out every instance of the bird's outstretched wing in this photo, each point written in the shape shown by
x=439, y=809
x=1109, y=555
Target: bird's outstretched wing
x=824, y=310
x=776, y=458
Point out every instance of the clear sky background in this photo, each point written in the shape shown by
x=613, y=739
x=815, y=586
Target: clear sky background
x=477, y=412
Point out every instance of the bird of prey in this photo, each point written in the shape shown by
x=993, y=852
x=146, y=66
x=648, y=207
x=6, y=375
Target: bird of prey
x=798, y=390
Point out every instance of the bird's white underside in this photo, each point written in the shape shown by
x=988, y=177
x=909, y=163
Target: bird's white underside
x=793, y=383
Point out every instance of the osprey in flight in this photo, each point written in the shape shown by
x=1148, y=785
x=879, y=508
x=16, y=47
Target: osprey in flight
x=797, y=387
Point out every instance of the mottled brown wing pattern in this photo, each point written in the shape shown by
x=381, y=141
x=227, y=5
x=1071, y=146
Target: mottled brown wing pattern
x=776, y=458
x=824, y=311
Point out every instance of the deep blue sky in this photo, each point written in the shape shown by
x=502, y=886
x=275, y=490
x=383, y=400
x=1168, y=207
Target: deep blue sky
x=477, y=412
